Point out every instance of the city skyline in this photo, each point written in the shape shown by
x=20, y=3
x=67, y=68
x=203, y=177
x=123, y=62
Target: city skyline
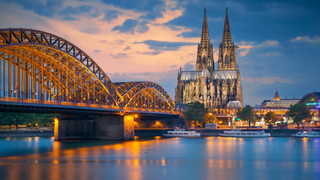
x=278, y=42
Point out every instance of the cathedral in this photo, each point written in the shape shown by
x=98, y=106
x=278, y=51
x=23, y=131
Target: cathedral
x=214, y=88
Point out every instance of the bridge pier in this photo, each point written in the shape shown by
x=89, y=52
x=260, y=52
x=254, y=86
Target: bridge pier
x=106, y=127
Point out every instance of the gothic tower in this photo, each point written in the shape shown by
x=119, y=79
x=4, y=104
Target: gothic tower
x=214, y=88
x=205, y=49
x=227, y=55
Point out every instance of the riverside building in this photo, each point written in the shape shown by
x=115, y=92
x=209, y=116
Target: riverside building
x=277, y=102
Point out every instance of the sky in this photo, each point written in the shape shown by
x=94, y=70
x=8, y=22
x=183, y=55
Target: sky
x=149, y=40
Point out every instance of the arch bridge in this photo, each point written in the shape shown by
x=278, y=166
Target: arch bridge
x=42, y=68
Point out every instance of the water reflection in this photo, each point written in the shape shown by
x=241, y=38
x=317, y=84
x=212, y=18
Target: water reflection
x=161, y=158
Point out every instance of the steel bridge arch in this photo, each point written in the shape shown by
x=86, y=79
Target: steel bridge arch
x=130, y=90
x=60, y=75
x=21, y=36
x=46, y=53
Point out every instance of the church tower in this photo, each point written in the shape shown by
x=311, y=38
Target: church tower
x=216, y=89
x=227, y=49
x=205, y=49
x=276, y=97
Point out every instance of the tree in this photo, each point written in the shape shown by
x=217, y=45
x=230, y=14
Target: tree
x=32, y=119
x=271, y=117
x=10, y=119
x=6, y=119
x=211, y=118
x=298, y=112
x=246, y=113
x=196, y=112
x=43, y=120
x=256, y=118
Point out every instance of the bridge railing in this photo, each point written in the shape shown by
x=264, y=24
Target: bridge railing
x=86, y=105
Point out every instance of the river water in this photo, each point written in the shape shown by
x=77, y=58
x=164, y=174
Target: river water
x=161, y=158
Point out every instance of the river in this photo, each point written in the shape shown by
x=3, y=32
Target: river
x=160, y=158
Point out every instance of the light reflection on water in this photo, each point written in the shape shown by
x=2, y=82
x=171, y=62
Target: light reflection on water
x=160, y=158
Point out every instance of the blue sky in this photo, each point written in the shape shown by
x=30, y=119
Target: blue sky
x=279, y=41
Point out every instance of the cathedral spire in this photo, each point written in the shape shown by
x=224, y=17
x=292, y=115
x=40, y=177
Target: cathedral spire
x=227, y=57
x=205, y=40
x=205, y=49
x=226, y=39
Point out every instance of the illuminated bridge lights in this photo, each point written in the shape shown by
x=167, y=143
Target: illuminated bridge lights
x=40, y=67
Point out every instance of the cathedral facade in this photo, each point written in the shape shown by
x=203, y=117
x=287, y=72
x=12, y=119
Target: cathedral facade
x=219, y=88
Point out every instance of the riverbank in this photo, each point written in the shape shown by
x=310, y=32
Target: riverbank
x=151, y=132
x=26, y=133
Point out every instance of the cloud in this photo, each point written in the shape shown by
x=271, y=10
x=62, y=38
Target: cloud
x=265, y=80
x=127, y=27
x=269, y=43
x=47, y=9
x=72, y=13
x=90, y=30
x=150, y=9
x=127, y=48
x=306, y=39
x=131, y=26
x=120, y=56
x=153, y=14
x=166, y=45
x=142, y=27
x=152, y=53
x=189, y=66
x=111, y=14
x=245, y=47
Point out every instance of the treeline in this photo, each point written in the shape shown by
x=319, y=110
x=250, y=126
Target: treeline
x=9, y=119
x=197, y=115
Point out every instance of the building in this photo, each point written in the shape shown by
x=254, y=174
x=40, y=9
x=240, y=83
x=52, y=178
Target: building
x=277, y=105
x=277, y=102
x=312, y=101
x=281, y=106
x=214, y=88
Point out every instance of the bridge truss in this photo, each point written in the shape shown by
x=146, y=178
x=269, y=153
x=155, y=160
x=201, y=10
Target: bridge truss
x=40, y=66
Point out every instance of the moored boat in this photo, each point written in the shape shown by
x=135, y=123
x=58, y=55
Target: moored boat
x=309, y=134
x=239, y=133
x=182, y=133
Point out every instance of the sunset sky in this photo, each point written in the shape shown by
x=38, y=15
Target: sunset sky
x=141, y=40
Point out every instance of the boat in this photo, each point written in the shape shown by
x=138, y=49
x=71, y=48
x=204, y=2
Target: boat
x=309, y=134
x=239, y=133
x=181, y=133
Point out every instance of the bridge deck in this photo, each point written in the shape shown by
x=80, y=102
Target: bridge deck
x=34, y=105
